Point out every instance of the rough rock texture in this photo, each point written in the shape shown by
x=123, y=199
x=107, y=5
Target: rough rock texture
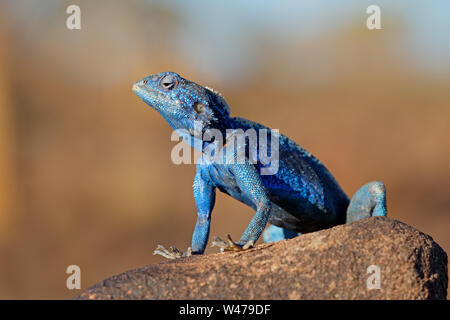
x=328, y=264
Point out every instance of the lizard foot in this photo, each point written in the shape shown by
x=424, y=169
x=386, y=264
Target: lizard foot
x=172, y=252
x=230, y=245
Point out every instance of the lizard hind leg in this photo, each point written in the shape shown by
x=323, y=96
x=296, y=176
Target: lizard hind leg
x=368, y=201
x=274, y=234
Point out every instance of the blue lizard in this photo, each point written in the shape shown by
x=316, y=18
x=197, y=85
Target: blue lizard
x=301, y=196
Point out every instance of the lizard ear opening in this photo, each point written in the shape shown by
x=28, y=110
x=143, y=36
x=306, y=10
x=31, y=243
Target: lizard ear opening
x=199, y=107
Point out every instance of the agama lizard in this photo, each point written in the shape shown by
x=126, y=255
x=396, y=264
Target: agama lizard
x=301, y=197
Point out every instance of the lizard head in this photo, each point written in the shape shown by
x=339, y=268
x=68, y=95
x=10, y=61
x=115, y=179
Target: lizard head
x=184, y=104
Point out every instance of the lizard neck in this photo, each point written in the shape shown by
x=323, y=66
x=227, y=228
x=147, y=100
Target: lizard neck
x=202, y=136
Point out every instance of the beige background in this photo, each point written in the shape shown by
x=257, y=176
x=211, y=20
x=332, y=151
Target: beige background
x=85, y=170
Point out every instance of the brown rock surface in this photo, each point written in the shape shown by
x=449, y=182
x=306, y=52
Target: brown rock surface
x=328, y=264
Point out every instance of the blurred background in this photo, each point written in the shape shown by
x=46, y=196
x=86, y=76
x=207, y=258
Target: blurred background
x=85, y=171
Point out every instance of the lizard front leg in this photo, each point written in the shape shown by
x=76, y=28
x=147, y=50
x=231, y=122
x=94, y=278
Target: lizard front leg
x=205, y=196
x=249, y=181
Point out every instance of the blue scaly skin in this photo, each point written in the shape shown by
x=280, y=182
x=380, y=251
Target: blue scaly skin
x=301, y=196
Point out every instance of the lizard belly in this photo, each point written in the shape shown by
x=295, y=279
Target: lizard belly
x=220, y=177
x=289, y=210
x=303, y=220
x=294, y=212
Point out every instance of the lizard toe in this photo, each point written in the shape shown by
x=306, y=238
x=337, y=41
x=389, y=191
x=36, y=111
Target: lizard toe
x=230, y=245
x=172, y=252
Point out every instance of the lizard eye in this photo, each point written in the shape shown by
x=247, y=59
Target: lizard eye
x=199, y=107
x=168, y=82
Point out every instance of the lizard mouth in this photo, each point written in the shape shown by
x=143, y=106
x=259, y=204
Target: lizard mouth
x=136, y=88
x=145, y=94
x=140, y=91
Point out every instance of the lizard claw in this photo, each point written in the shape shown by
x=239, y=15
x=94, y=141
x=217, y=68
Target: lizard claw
x=172, y=252
x=230, y=245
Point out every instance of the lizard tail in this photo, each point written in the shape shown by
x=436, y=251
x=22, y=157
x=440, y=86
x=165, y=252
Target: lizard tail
x=368, y=201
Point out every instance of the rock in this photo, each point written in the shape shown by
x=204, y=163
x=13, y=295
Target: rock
x=328, y=264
